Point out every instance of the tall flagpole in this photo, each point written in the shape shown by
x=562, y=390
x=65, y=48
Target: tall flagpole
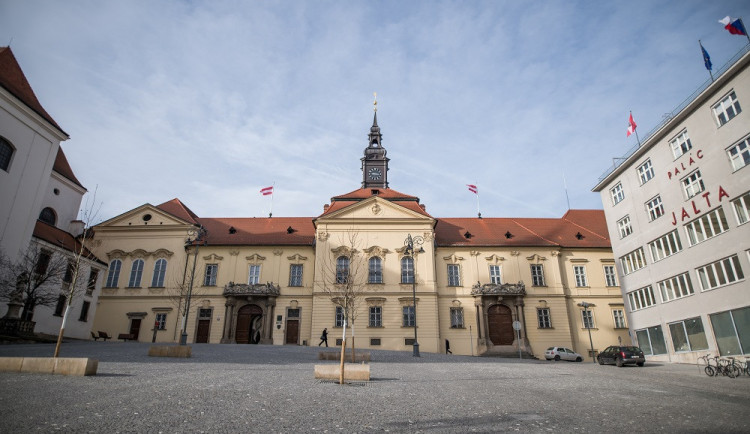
x=565, y=183
x=479, y=213
x=747, y=35
x=706, y=60
x=270, y=211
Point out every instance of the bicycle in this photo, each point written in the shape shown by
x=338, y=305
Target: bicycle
x=742, y=365
x=720, y=366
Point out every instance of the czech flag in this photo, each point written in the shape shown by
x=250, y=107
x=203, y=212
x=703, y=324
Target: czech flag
x=735, y=26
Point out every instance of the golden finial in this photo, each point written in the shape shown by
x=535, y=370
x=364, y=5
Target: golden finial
x=375, y=103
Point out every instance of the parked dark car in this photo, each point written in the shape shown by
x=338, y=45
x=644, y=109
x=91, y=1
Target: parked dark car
x=621, y=355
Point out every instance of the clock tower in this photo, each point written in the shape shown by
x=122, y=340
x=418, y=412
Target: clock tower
x=375, y=163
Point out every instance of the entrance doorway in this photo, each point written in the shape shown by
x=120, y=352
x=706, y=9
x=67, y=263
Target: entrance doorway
x=249, y=324
x=292, y=332
x=500, y=325
x=135, y=327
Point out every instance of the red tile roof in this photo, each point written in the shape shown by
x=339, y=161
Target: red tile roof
x=520, y=232
x=63, y=168
x=398, y=198
x=179, y=210
x=294, y=231
x=14, y=81
x=60, y=238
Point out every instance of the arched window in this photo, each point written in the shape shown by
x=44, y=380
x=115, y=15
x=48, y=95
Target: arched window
x=407, y=270
x=375, y=269
x=113, y=275
x=342, y=269
x=49, y=216
x=159, y=269
x=136, y=272
x=6, y=154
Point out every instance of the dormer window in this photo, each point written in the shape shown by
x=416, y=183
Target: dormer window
x=467, y=235
x=290, y=230
x=232, y=230
x=375, y=192
x=508, y=235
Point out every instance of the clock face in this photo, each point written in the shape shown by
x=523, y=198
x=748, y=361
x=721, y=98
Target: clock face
x=375, y=173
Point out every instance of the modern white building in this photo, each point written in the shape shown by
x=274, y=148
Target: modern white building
x=40, y=197
x=677, y=209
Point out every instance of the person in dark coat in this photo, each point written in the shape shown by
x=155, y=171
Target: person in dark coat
x=324, y=337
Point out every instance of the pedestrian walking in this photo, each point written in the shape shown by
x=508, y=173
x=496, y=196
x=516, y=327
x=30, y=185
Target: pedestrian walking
x=448, y=347
x=324, y=337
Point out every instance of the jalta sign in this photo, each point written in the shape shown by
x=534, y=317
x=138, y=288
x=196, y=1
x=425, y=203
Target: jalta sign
x=686, y=211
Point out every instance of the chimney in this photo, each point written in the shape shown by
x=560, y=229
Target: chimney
x=325, y=207
x=424, y=208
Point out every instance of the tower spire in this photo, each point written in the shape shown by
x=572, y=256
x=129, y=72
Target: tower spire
x=375, y=163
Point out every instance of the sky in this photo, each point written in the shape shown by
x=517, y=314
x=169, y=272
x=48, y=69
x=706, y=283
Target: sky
x=210, y=101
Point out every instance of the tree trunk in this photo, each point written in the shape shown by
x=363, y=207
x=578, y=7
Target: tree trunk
x=353, y=358
x=343, y=354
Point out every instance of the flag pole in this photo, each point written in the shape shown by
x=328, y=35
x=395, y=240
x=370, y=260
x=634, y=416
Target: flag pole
x=635, y=130
x=479, y=213
x=565, y=183
x=270, y=211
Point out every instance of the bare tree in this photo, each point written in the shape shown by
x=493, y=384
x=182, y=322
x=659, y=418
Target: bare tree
x=34, y=278
x=344, y=282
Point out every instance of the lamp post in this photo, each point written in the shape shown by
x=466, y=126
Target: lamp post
x=585, y=307
x=410, y=242
x=195, y=237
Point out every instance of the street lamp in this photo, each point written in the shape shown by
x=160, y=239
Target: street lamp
x=410, y=242
x=585, y=307
x=195, y=237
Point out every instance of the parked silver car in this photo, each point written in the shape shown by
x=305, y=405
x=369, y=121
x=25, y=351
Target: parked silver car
x=562, y=353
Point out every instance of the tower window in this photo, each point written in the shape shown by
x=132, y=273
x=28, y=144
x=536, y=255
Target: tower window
x=6, y=154
x=48, y=216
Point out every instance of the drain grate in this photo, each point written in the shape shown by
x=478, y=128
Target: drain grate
x=348, y=383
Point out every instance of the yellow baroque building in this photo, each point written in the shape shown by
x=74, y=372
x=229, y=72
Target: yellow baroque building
x=473, y=286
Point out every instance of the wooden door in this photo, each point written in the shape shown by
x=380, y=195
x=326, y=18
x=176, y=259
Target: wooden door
x=135, y=327
x=201, y=336
x=500, y=325
x=248, y=324
x=292, y=331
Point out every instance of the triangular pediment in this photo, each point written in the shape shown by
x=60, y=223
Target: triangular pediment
x=145, y=215
x=374, y=208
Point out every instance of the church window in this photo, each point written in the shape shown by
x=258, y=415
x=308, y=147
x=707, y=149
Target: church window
x=136, y=272
x=48, y=216
x=6, y=154
x=160, y=268
x=113, y=274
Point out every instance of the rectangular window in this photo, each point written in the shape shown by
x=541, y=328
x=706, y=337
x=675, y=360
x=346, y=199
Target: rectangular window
x=291, y=313
x=727, y=108
x=376, y=316
x=624, y=227
x=161, y=321
x=543, y=318
x=641, y=298
x=212, y=270
x=537, y=275
x=91, y=283
x=665, y=246
x=706, y=226
x=84, y=311
x=675, y=287
x=495, y=274
x=645, y=172
x=407, y=270
x=720, y=273
x=253, y=275
x=457, y=317
x=619, y=317
x=742, y=208
x=60, y=307
x=739, y=154
x=609, y=275
x=680, y=144
x=617, y=194
x=633, y=261
x=295, y=275
x=655, y=208
x=42, y=262
x=651, y=340
x=68, y=276
x=375, y=270
x=732, y=331
x=408, y=316
x=580, y=273
x=588, y=319
x=339, y=320
x=454, y=275
x=692, y=184
x=688, y=335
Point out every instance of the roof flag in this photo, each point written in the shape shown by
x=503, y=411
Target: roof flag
x=631, y=125
x=266, y=191
x=473, y=188
x=706, y=57
x=735, y=26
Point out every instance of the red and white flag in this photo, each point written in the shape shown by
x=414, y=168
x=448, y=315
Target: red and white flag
x=631, y=125
x=473, y=188
x=266, y=191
